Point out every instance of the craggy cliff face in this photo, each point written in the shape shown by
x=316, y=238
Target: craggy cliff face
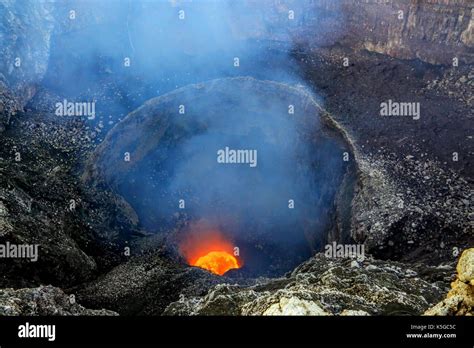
x=434, y=31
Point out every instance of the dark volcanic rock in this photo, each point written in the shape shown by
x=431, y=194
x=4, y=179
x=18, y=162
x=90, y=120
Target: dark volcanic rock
x=43, y=202
x=322, y=286
x=412, y=200
x=145, y=285
x=45, y=300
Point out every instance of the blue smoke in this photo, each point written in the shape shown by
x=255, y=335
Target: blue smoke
x=171, y=44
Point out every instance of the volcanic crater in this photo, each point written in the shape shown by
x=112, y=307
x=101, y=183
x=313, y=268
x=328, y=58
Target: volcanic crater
x=125, y=205
x=277, y=214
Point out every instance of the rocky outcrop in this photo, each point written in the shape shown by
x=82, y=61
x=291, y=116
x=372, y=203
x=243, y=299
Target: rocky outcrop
x=321, y=286
x=41, y=301
x=460, y=299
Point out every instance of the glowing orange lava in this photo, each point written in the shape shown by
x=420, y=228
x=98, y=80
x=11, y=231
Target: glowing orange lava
x=218, y=262
x=205, y=247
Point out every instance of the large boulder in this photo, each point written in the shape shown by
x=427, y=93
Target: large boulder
x=460, y=299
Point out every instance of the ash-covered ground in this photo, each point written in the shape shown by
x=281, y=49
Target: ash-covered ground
x=409, y=202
